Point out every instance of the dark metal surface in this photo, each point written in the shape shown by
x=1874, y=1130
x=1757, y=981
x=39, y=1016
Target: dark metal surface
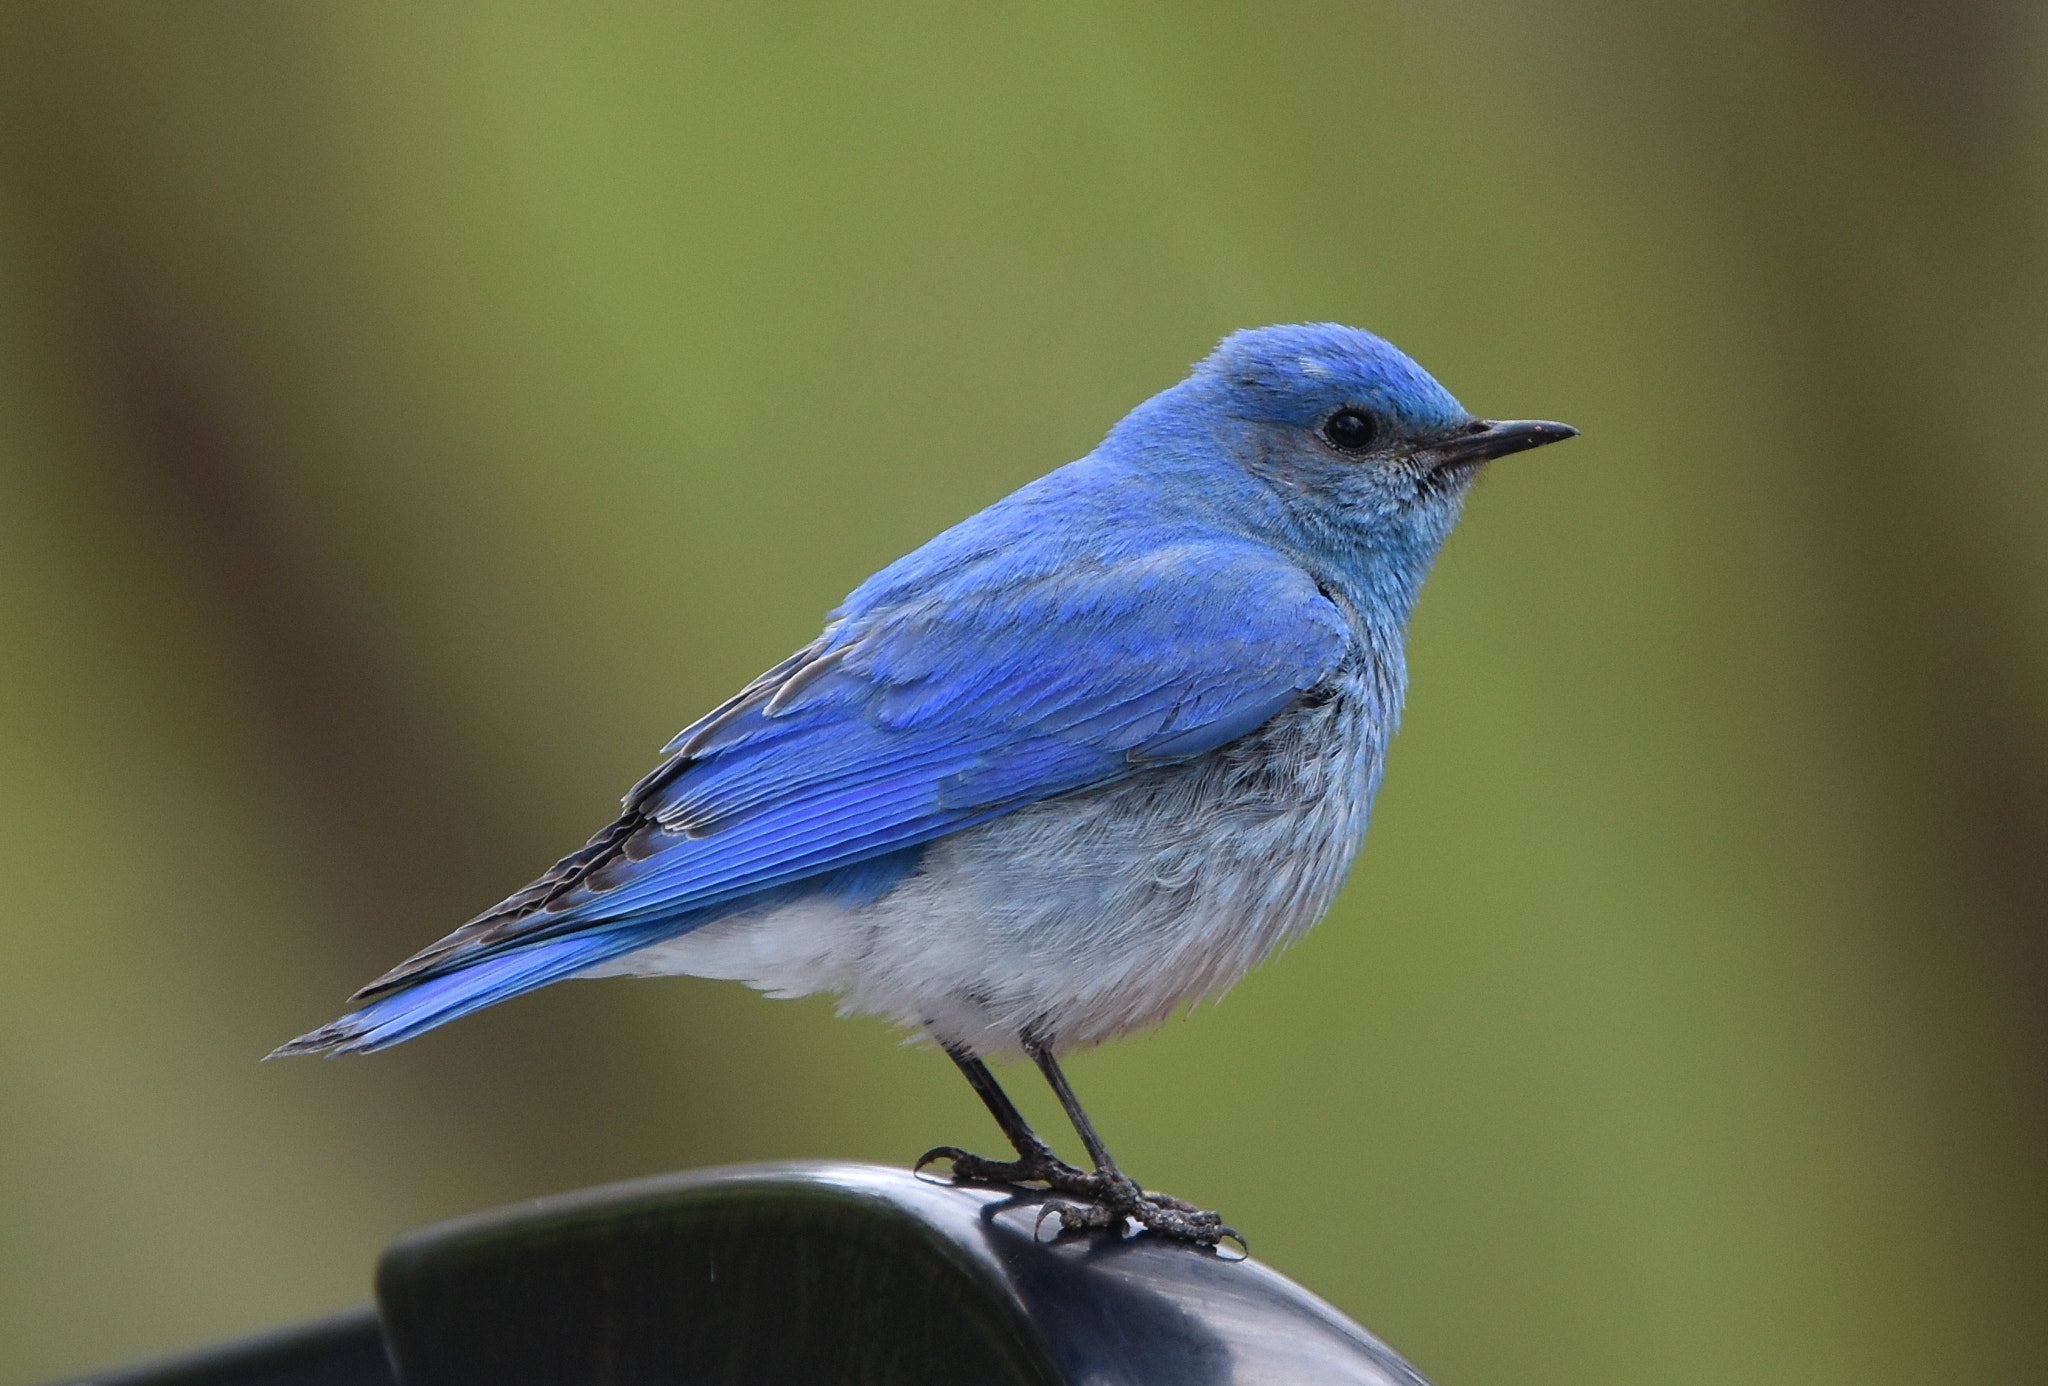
x=345, y=1350
x=845, y=1274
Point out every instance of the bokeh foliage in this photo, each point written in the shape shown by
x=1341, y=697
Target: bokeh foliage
x=410, y=414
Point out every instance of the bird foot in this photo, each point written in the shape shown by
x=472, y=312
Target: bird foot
x=1093, y=1199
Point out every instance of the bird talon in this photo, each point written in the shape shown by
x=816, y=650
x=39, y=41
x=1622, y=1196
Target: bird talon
x=1086, y=1200
x=1038, y=1166
x=1183, y=1221
x=1075, y=1217
x=952, y=1153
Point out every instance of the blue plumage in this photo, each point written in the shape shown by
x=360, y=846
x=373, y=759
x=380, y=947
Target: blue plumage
x=1085, y=756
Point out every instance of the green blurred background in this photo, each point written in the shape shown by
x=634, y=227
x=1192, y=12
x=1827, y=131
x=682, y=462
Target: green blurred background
x=411, y=414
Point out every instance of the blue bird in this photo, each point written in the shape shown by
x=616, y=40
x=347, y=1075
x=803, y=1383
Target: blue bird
x=1085, y=757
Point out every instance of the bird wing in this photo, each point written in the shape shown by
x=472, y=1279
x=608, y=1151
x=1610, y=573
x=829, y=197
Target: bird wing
x=990, y=691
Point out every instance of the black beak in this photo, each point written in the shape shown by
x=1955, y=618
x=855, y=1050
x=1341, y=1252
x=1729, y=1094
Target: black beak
x=1484, y=440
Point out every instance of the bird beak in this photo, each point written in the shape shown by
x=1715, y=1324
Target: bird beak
x=1485, y=440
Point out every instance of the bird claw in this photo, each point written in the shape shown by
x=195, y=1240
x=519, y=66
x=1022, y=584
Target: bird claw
x=1095, y=1199
x=952, y=1153
x=1073, y=1217
x=1039, y=1167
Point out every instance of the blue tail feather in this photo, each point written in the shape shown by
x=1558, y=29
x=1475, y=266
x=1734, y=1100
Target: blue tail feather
x=498, y=974
x=388, y=1020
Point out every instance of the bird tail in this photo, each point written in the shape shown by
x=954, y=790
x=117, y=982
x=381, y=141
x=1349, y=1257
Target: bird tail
x=445, y=996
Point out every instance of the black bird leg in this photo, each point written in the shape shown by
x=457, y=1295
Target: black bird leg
x=1035, y=1159
x=1105, y=1195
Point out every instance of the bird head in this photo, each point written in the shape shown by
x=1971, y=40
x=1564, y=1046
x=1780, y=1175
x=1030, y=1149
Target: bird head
x=1337, y=410
x=1365, y=451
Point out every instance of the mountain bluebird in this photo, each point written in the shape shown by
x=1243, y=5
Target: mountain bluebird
x=1086, y=756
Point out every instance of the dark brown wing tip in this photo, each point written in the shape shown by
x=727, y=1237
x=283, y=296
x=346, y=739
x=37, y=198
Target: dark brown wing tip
x=327, y=1040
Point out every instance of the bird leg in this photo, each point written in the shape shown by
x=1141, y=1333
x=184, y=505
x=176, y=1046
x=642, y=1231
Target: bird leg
x=1104, y=1196
x=1035, y=1159
x=1122, y=1197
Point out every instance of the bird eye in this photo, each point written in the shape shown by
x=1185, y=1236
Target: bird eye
x=1351, y=430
